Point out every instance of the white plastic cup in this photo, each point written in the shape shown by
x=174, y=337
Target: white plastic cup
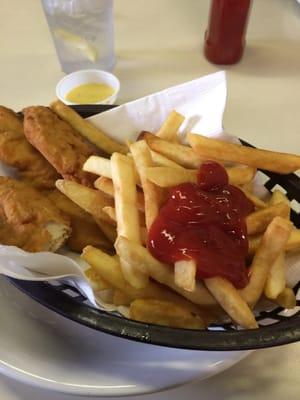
x=82, y=32
x=75, y=79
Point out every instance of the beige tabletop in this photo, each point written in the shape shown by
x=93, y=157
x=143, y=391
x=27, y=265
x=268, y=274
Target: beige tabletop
x=158, y=44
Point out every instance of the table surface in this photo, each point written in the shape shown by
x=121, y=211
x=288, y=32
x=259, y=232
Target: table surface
x=159, y=44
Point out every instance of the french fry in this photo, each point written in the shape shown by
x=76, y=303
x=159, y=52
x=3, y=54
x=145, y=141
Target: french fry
x=185, y=274
x=85, y=232
x=108, y=229
x=248, y=187
x=240, y=175
x=120, y=298
x=161, y=161
x=231, y=301
x=276, y=281
x=96, y=279
x=169, y=129
x=105, y=265
x=86, y=129
x=293, y=243
x=124, y=181
x=287, y=298
x=125, y=197
x=182, y=155
x=142, y=159
x=216, y=149
x=102, y=167
x=161, y=312
x=109, y=266
x=272, y=244
x=90, y=200
x=99, y=165
x=138, y=256
x=106, y=186
x=168, y=177
x=253, y=241
x=258, y=221
x=84, y=229
x=111, y=212
x=258, y=203
x=133, y=275
x=279, y=197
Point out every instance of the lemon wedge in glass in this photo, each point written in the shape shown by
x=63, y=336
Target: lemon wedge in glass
x=76, y=42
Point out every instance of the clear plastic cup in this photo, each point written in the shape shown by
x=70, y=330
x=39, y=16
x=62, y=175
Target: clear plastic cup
x=82, y=32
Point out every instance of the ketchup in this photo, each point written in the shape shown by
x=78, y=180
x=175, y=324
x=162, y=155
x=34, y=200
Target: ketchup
x=225, y=36
x=204, y=222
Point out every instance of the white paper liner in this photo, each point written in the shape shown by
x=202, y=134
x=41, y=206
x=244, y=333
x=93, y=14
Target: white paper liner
x=202, y=102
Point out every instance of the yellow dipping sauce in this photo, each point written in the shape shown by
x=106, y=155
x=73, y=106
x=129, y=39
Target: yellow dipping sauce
x=90, y=93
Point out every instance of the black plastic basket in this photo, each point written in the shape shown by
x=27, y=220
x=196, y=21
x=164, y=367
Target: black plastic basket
x=276, y=327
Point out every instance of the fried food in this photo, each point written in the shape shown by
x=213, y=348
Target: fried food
x=10, y=121
x=140, y=258
x=86, y=233
x=170, y=127
x=169, y=176
x=216, y=149
x=111, y=218
x=87, y=130
x=123, y=176
x=152, y=194
x=185, y=274
x=90, y=200
x=162, y=312
x=59, y=143
x=287, y=298
x=16, y=152
x=258, y=221
x=271, y=246
x=231, y=301
x=85, y=230
x=29, y=220
x=276, y=281
x=109, y=267
x=293, y=243
x=182, y=155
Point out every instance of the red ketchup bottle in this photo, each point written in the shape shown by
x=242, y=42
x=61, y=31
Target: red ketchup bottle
x=225, y=35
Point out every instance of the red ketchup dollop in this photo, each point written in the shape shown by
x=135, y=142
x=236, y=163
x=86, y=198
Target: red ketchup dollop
x=205, y=222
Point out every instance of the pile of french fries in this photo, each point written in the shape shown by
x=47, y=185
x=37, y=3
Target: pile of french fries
x=128, y=195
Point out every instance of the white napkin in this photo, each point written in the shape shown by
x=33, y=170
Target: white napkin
x=201, y=101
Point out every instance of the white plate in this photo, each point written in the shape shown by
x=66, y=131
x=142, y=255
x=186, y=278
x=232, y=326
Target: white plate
x=41, y=348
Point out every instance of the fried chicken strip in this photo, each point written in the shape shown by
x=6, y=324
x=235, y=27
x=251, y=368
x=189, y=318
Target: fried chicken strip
x=10, y=121
x=59, y=143
x=16, y=152
x=84, y=229
x=29, y=220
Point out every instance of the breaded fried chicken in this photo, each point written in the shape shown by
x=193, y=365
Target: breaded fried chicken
x=10, y=121
x=59, y=143
x=16, y=152
x=85, y=231
x=29, y=220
